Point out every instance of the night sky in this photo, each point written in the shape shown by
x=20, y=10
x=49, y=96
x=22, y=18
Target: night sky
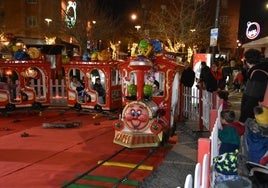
x=121, y=8
x=251, y=10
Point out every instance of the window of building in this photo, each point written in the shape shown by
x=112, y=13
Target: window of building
x=32, y=21
x=224, y=3
x=224, y=20
x=31, y=1
x=163, y=9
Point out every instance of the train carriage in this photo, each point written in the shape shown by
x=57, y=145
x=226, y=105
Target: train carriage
x=148, y=117
x=87, y=95
x=24, y=84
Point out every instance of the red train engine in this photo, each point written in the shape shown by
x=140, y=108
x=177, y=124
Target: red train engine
x=150, y=95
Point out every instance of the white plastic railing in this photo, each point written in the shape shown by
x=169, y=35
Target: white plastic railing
x=199, y=182
x=191, y=105
x=207, y=177
x=57, y=89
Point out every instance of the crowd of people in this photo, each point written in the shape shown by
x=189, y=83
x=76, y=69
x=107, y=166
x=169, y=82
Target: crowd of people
x=252, y=123
x=250, y=129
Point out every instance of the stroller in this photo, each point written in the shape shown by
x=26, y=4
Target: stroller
x=255, y=150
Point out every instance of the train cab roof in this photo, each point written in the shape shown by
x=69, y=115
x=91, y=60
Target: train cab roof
x=92, y=63
x=162, y=62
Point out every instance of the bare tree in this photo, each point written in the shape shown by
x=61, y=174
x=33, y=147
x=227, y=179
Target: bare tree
x=93, y=22
x=179, y=21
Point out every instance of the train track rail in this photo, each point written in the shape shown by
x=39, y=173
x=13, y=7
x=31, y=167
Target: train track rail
x=113, y=182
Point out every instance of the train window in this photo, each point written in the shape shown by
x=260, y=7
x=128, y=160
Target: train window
x=9, y=82
x=132, y=84
x=98, y=83
x=78, y=75
x=35, y=79
x=157, y=82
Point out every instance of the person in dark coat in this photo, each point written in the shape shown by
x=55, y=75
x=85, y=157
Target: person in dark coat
x=256, y=84
x=187, y=75
x=226, y=74
x=210, y=77
x=204, y=74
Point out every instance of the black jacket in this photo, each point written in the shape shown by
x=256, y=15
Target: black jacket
x=254, y=90
x=188, y=77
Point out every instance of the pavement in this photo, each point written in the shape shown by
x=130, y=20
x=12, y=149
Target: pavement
x=181, y=160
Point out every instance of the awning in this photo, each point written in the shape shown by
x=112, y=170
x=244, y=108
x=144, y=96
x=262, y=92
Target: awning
x=45, y=48
x=262, y=42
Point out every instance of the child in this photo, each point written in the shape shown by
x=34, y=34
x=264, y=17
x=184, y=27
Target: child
x=230, y=132
x=238, y=81
x=257, y=136
x=226, y=163
x=225, y=96
x=256, y=145
x=226, y=167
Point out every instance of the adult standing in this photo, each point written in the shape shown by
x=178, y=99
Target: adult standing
x=256, y=84
x=217, y=77
x=187, y=80
x=187, y=75
x=204, y=75
x=210, y=77
x=226, y=74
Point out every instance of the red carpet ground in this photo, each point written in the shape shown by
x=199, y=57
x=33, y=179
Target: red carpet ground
x=47, y=157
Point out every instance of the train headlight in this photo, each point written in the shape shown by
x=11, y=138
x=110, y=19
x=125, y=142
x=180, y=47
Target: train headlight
x=156, y=128
x=118, y=125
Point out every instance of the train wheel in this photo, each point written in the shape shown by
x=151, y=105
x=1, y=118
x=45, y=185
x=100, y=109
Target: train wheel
x=37, y=106
x=10, y=107
x=77, y=106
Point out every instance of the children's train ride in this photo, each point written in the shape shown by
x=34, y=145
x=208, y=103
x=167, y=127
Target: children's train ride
x=150, y=96
x=145, y=87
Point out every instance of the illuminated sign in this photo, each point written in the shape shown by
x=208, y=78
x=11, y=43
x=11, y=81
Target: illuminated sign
x=70, y=12
x=214, y=33
x=253, y=30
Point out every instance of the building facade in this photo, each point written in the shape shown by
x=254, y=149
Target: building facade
x=30, y=18
x=41, y=18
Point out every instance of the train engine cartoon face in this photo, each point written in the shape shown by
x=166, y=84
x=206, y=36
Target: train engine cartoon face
x=136, y=116
x=138, y=126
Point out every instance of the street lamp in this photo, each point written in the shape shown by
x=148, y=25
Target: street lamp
x=48, y=20
x=137, y=27
x=133, y=16
x=192, y=30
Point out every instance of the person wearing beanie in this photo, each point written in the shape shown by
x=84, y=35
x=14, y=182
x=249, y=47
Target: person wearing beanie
x=257, y=135
x=226, y=167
